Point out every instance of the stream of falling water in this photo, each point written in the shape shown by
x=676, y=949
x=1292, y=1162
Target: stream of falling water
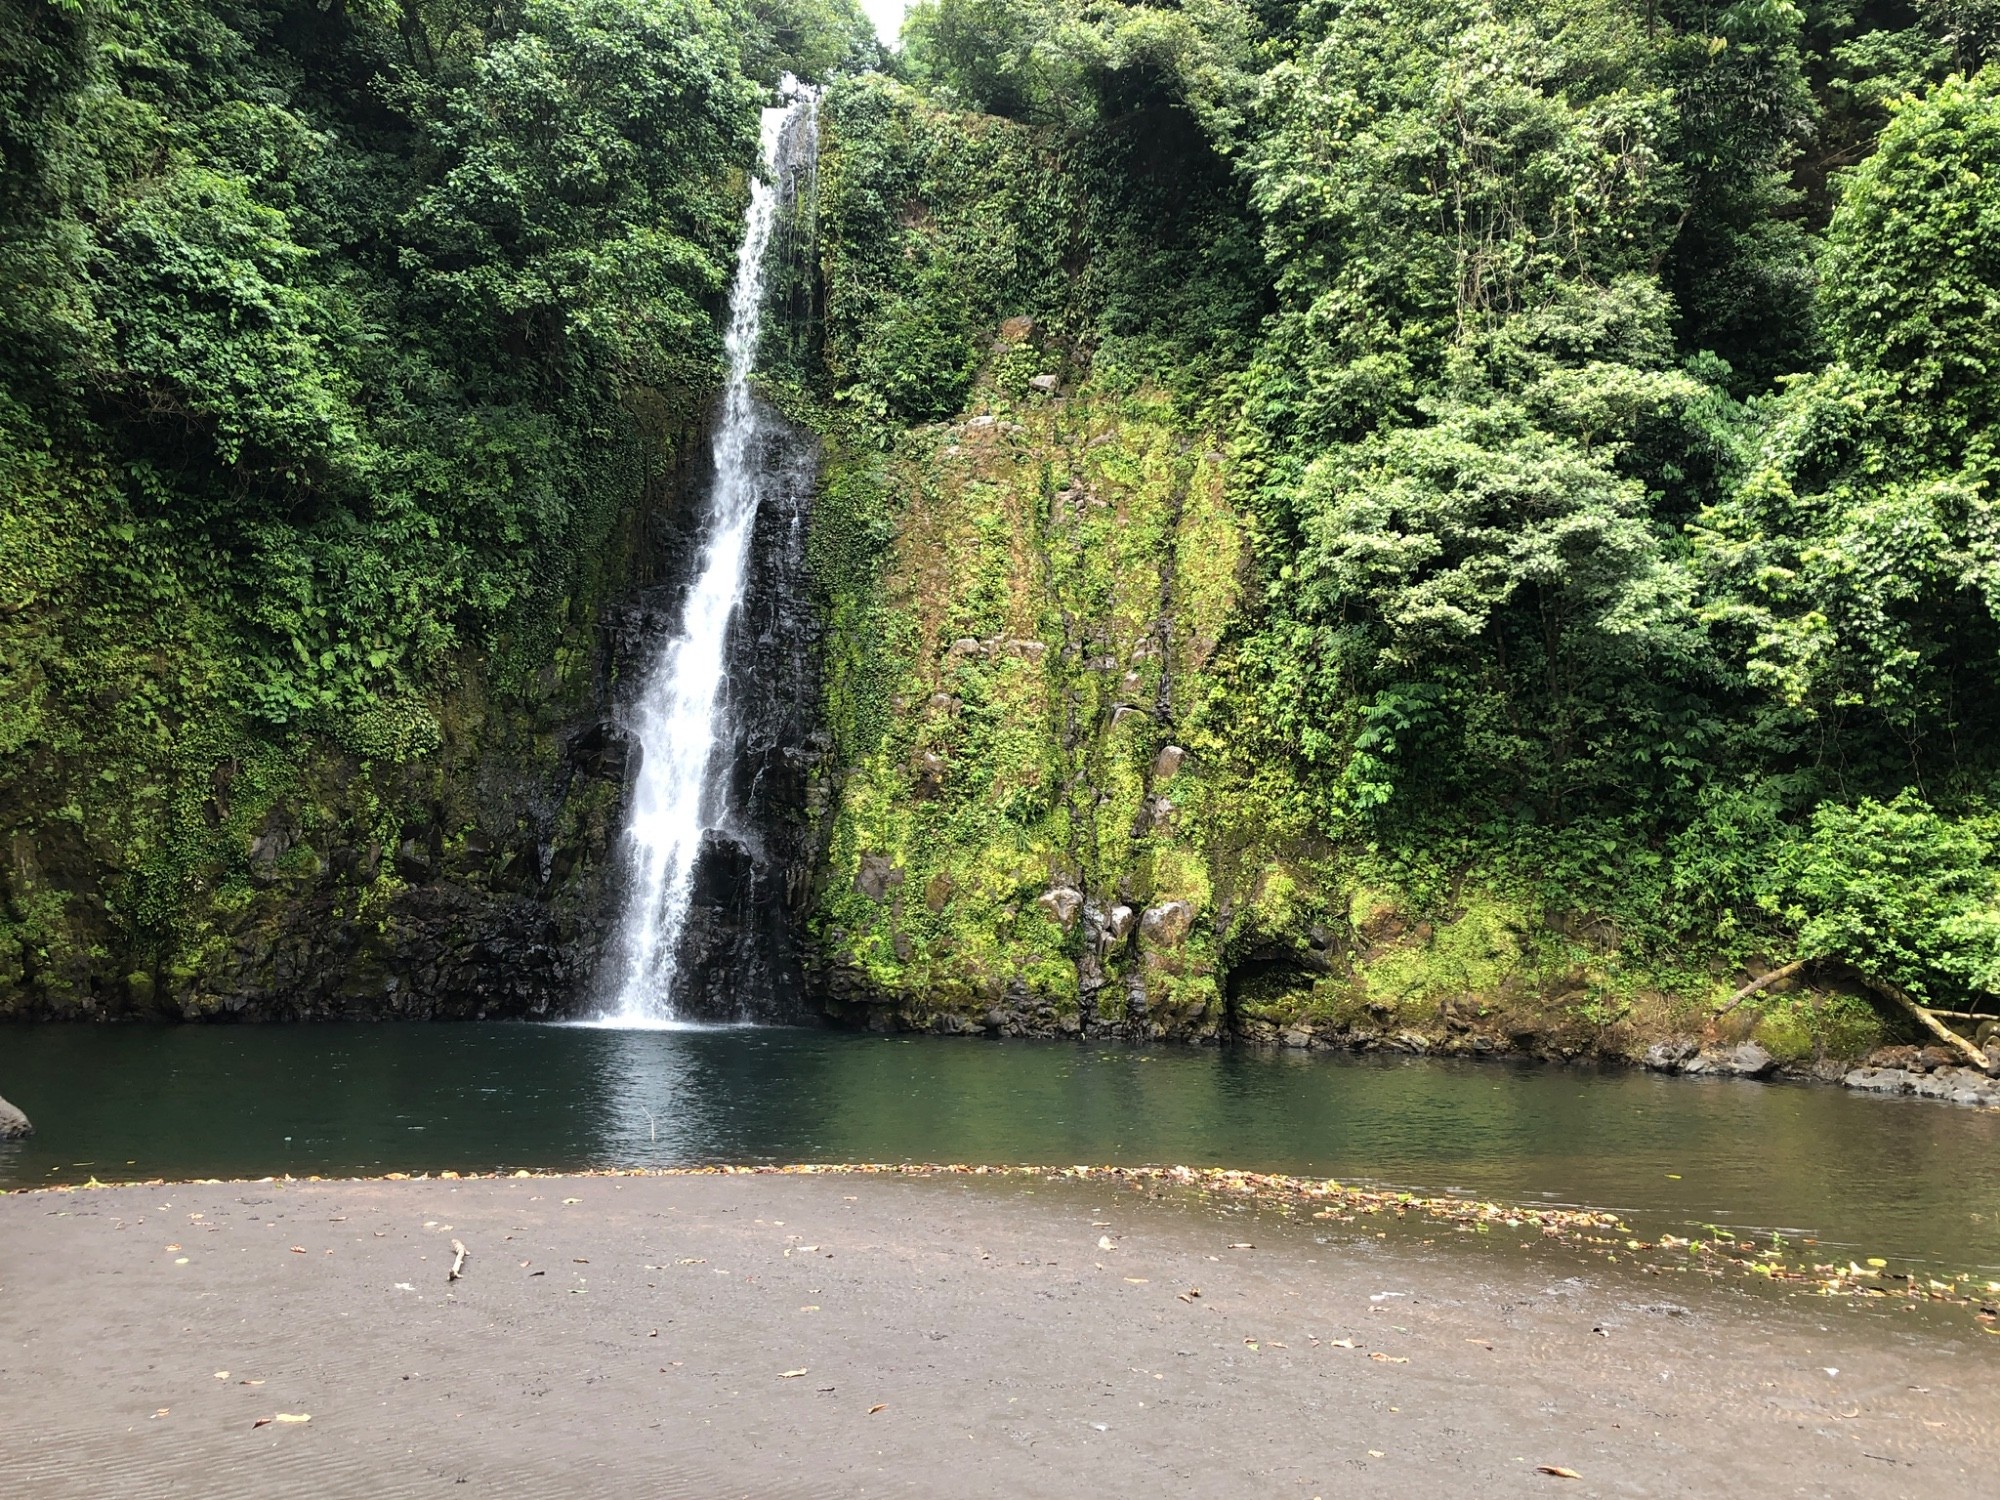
x=678, y=718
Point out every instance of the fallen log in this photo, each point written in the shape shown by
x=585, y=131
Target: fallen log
x=1925, y=1019
x=1755, y=985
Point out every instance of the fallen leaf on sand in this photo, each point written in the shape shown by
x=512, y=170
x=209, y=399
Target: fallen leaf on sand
x=1557, y=1470
x=1482, y=1343
x=1190, y=1294
x=290, y=1418
x=1105, y=1242
x=1387, y=1359
x=1374, y=1452
x=572, y=1200
x=298, y=1249
x=249, y=1382
x=791, y=1374
x=221, y=1374
x=1137, y=1280
x=878, y=1406
x=1340, y=1344
x=1243, y=1247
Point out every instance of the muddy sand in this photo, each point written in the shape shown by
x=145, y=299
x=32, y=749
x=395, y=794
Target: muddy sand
x=766, y=1336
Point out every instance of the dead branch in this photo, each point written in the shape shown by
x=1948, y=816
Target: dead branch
x=1755, y=985
x=1926, y=1020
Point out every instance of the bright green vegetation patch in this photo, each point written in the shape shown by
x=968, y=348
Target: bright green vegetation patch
x=1529, y=487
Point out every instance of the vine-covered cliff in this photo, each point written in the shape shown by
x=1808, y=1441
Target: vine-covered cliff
x=1411, y=525
x=351, y=360
x=1421, y=525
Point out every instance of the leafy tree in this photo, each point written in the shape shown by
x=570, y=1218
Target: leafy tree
x=1899, y=892
x=1912, y=278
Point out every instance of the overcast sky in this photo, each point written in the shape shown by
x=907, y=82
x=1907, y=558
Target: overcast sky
x=887, y=16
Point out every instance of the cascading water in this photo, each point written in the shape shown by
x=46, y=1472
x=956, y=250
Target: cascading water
x=681, y=715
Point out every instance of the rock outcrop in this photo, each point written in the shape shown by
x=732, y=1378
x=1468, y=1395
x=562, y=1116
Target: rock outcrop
x=13, y=1124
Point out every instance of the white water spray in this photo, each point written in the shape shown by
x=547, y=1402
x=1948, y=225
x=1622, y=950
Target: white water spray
x=678, y=716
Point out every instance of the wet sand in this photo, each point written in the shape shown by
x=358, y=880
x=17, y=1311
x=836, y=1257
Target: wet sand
x=766, y=1336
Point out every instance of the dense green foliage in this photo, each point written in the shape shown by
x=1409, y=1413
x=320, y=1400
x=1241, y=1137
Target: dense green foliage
x=1518, y=473
x=1609, y=393
x=338, y=341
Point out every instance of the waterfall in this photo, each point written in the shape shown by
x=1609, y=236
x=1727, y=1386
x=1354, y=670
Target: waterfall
x=681, y=713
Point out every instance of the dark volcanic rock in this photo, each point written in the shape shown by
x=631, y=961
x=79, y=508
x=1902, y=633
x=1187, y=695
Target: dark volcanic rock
x=1671, y=1057
x=740, y=957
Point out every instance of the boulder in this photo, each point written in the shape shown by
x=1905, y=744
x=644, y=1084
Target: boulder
x=1166, y=925
x=876, y=876
x=1062, y=903
x=1746, y=1060
x=1881, y=1080
x=1670, y=1057
x=1118, y=926
x=13, y=1124
x=1960, y=1086
x=1168, y=763
x=1044, y=383
x=1901, y=1059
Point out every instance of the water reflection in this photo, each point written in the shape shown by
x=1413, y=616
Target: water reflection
x=1898, y=1177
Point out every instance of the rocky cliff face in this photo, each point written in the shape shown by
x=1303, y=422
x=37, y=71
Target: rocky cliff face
x=741, y=953
x=1026, y=835
x=469, y=874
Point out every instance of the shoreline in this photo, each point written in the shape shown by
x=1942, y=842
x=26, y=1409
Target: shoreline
x=774, y=1334
x=1904, y=1070
x=1597, y=1234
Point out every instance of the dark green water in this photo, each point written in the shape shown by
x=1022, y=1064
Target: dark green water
x=1902, y=1178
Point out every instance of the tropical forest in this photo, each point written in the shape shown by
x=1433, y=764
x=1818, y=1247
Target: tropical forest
x=1202, y=748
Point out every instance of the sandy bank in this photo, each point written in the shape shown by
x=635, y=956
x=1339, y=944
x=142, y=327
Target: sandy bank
x=771, y=1336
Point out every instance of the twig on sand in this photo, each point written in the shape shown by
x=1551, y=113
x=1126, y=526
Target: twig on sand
x=457, y=1261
